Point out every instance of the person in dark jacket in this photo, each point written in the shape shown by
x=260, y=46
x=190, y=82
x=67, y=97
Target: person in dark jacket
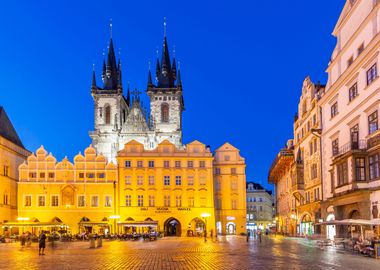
x=42, y=243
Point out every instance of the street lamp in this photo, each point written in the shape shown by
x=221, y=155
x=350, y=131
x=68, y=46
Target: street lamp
x=114, y=217
x=205, y=216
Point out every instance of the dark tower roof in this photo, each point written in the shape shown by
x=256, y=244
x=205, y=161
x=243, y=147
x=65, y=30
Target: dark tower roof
x=111, y=74
x=150, y=83
x=111, y=78
x=93, y=84
x=165, y=72
x=7, y=130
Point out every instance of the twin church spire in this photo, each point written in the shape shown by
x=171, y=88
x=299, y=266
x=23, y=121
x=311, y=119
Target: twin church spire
x=167, y=75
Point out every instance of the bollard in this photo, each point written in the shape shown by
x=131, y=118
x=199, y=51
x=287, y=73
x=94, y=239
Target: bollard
x=92, y=243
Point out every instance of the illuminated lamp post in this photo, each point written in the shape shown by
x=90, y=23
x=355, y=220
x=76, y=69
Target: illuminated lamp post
x=205, y=216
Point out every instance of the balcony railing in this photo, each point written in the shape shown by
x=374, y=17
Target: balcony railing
x=297, y=187
x=284, y=153
x=351, y=146
x=372, y=142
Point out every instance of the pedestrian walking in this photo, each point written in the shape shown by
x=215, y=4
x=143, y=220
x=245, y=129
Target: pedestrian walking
x=259, y=235
x=248, y=235
x=42, y=243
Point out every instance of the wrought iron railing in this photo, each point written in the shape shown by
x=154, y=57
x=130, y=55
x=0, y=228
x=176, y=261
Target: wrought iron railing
x=351, y=146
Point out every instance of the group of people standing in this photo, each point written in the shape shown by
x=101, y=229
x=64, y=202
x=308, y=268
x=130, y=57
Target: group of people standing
x=26, y=239
x=257, y=234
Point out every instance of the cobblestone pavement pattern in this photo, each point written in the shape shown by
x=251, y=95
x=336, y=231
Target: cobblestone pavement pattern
x=184, y=253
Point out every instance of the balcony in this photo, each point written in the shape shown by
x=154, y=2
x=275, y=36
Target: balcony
x=374, y=141
x=297, y=187
x=283, y=161
x=359, y=146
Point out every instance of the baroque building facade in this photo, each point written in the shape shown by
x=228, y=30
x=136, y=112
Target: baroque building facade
x=12, y=154
x=168, y=185
x=338, y=153
x=350, y=108
x=76, y=197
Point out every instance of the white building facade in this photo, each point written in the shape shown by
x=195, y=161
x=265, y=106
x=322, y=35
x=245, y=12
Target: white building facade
x=119, y=119
x=350, y=116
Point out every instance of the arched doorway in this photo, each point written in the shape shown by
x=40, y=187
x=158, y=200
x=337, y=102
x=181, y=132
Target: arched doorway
x=330, y=229
x=196, y=227
x=354, y=230
x=172, y=227
x=306, y=226
x=230, y=228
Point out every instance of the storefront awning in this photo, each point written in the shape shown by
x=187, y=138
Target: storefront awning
x=32, y=224
x=94, y=223
x=138, y=223
x=351, y=222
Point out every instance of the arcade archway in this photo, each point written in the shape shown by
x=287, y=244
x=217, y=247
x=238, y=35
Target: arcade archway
x=230, y=228
x=196, y=227
x=172, y=227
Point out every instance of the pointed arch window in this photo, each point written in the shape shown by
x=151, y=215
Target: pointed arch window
x=108, y=114
x=165, y=113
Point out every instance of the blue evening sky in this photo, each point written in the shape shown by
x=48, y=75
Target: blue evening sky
x=242, y=66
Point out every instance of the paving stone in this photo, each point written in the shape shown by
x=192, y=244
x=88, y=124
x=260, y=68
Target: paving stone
x=184, y=253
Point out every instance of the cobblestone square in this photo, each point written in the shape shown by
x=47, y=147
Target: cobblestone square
x=185, y=253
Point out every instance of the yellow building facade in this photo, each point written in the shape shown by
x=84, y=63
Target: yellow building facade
x=170, y=186
x=77, y=197
x=230, y=190
x=168, y=189
x=12, y=154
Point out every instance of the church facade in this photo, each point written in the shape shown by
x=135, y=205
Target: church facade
x=137, y=174
x=120, y=119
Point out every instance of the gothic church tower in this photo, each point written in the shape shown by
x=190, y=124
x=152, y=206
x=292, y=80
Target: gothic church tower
x=166, y=100
x=110, y=107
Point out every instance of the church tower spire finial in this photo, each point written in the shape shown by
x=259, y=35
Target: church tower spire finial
x=164, y=27
x=111, y=28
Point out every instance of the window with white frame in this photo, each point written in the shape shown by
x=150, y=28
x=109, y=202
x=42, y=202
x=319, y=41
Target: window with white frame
x=202, y=202
x=140, y=180
x=28, y=200
x=41, y=200
x=190, y=201
x=54, y=200
x=371, y=74
x=167, y=200
x=178, y=201
x=94, y=201
x=202, y=180
x=178, y=180
x=234, y=204
x=128, y=200
x=128, y=180
x=373, y=122
x=107, y=201
x=353, y=92
x=151, y=180
x=5, y=199
x=151, y=201
x=166, y=180
x=81, y=201
x=334, y=109
x=140, y=200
